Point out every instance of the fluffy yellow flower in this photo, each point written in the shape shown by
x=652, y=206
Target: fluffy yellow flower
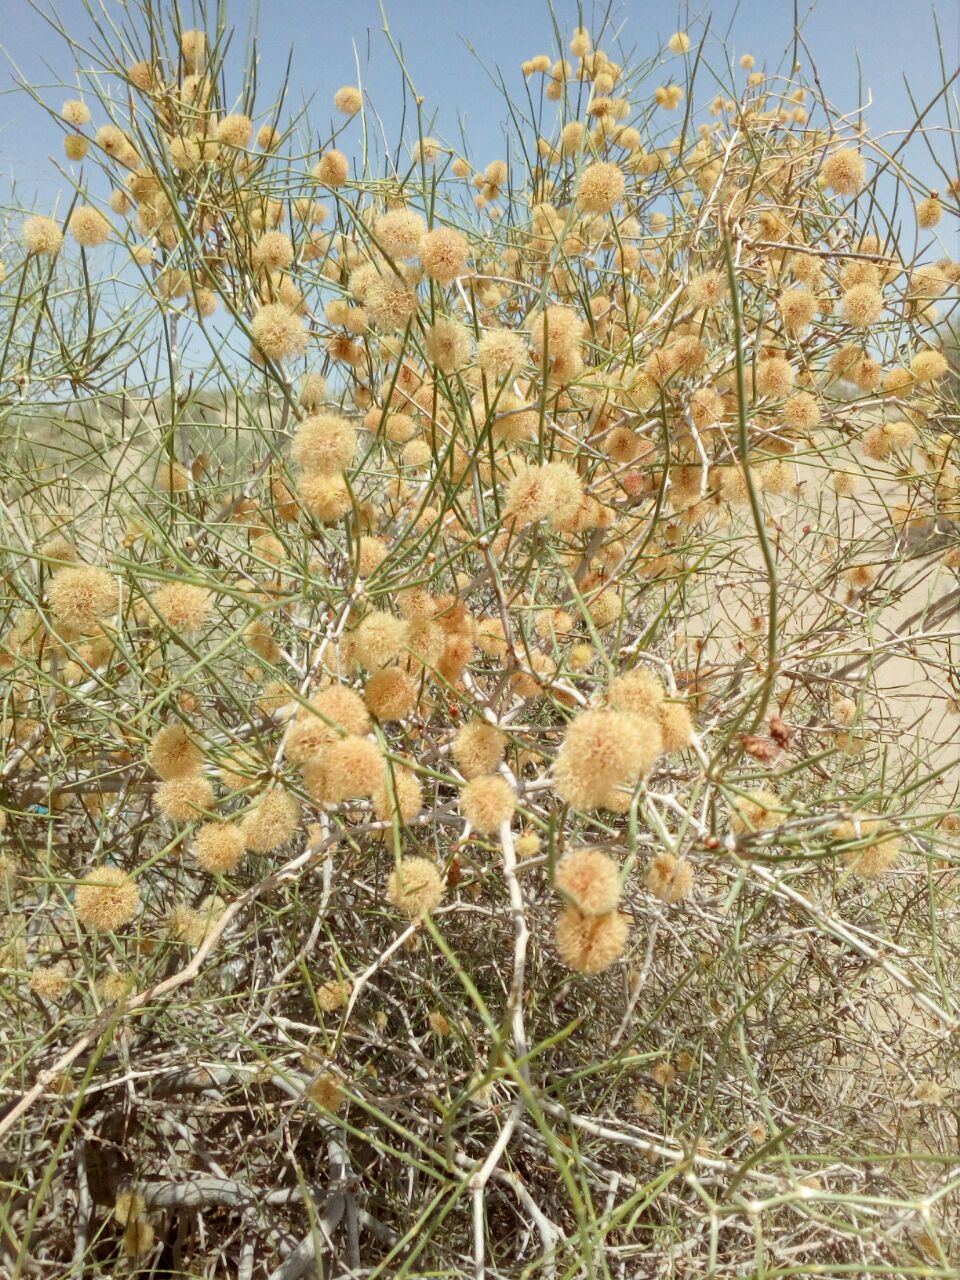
x=415, y=887
x=106, y=899
x=41, y=235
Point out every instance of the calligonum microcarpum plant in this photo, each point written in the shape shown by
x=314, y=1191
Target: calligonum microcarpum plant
x=478, y=651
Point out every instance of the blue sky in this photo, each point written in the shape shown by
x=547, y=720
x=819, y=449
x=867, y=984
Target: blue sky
x=892, y=39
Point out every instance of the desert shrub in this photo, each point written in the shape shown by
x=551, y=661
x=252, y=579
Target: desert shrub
x=479, y=781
